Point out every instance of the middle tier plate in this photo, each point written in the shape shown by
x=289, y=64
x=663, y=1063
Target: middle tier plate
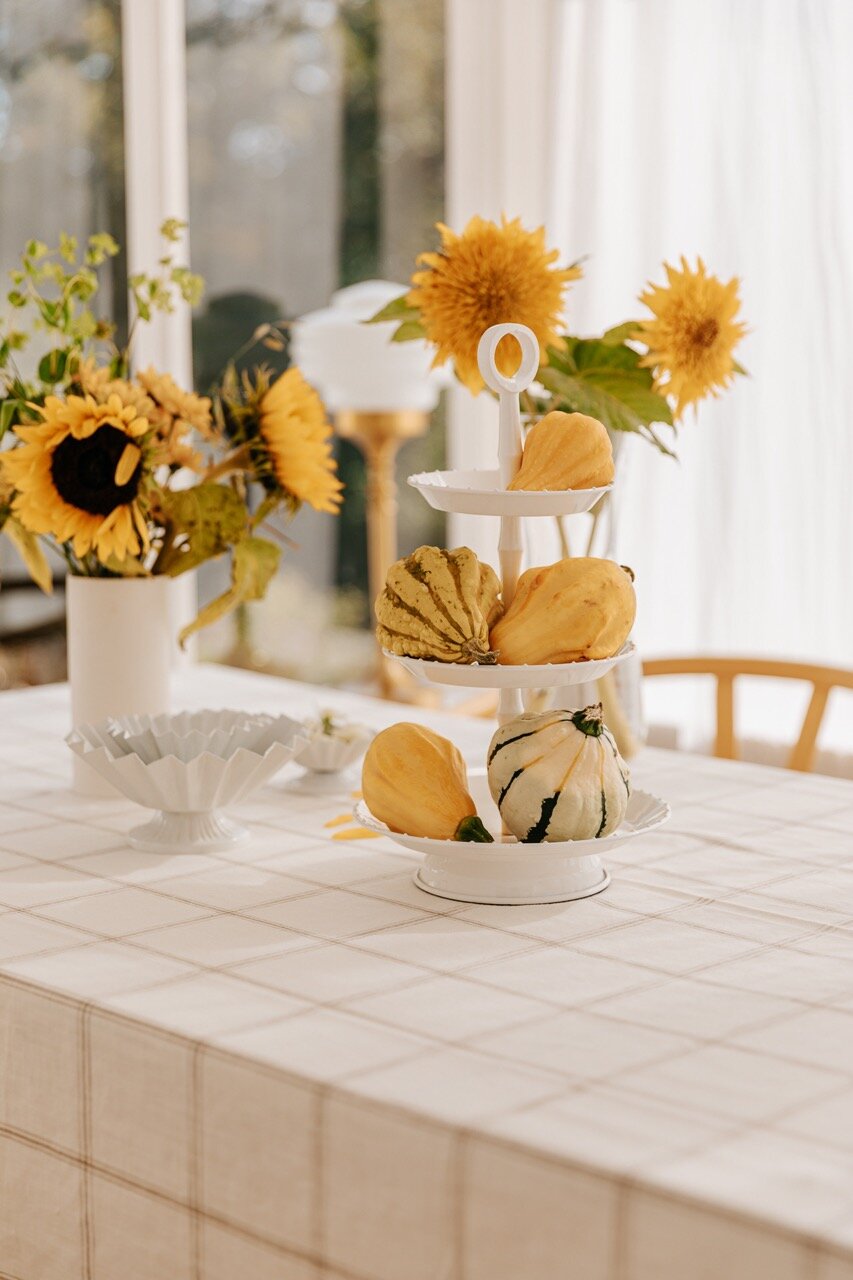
x=479, y=493
x=472, y=675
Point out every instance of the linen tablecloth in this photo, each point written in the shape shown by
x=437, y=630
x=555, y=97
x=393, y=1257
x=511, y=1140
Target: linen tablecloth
x=288, y=1062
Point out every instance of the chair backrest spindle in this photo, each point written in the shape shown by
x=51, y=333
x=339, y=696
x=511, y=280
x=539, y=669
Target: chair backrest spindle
x=726, y=670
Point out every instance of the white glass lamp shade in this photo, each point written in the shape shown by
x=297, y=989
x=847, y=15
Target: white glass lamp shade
x=356, y=366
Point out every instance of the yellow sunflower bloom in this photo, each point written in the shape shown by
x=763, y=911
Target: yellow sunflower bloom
x=693, y=333
x=490, y=274
x=182, y=406
x=78, y=476
x=97, y=382
x=294, y=446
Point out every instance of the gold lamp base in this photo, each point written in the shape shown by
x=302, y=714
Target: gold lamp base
x=379, y=437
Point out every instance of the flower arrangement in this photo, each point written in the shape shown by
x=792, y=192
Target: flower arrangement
x=126, y=473
x=639, y=376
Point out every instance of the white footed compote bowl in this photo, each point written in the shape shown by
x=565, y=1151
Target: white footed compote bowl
x=189, y=767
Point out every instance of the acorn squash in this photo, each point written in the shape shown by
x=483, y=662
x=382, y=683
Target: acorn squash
x=578, y=608
x=415, y=782
x=565, y=451
x=439, y=604
x=557, y=775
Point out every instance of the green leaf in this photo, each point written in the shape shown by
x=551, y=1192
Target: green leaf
x=16, y=299
x=254, y=563
x=738, y=368
x=408, y=331
x=398, y=309
x=212, y=517
x=171, y=229
x=128, y=568
x=9, y=409
x=52, y=366
x=620, y=332
x=29, y=549
x=592, y=354
x=617, y=397
x=67, y=247
x=101, y=246
x=563, y=357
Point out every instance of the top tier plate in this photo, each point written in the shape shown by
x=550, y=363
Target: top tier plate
x=479, y=493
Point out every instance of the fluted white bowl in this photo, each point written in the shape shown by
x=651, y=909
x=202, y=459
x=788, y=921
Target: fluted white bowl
x=188, y=793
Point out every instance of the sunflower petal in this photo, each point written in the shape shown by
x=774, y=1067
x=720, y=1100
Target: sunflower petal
x=127, y=463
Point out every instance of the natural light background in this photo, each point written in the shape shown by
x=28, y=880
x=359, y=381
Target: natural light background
x=636, y=130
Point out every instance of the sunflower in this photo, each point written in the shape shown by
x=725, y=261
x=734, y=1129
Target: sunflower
x=488, y=275
x=97, y=381
x=78, y=476
x=176, y=412
x=172, y=448
x=693, y=333
x=293, y=452
x=182, y=406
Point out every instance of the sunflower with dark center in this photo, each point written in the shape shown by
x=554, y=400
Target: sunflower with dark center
x=79, y=476
x=283, y=436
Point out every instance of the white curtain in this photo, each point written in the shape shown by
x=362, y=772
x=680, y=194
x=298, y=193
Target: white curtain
x=721, y=128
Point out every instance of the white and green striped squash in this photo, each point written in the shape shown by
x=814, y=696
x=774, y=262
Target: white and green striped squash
x=557, y=775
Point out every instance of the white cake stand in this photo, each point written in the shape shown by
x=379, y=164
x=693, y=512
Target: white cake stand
x=508, y=872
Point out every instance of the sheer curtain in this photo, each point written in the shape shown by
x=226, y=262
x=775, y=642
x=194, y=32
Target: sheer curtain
x=723, y=129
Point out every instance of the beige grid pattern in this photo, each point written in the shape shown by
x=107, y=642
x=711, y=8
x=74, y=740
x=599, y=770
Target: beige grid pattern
x=288, y=1063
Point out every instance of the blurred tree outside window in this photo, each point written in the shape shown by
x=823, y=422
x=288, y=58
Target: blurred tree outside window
x=61, y=169
x=316, y=160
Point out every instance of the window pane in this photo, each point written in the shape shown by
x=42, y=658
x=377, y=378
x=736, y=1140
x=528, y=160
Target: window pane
x=316, y=160
x=61, y=130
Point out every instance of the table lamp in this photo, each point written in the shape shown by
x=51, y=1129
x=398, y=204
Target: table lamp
x=380, y=393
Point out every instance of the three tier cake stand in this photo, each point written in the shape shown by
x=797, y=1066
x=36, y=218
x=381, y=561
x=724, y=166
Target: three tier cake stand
x=509, y=872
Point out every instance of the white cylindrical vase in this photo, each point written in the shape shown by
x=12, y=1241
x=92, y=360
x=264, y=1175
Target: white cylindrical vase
x=122, y=647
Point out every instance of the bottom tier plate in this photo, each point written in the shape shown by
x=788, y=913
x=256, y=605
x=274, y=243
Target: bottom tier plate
x=509, y=873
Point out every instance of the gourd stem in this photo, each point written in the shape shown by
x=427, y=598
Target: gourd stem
x=590, y=721
x=471, y=829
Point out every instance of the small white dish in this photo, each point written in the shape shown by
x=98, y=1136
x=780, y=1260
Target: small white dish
x=332, y=745
x=480, y=493
x=188, y=793
x=474, y=675
x=510, y=873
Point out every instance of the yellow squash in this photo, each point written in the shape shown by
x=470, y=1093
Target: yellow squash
x=565, y=451
x=415, y=782
x=439, y=604
x=581, y=607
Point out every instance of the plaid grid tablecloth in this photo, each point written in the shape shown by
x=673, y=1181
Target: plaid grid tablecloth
x=287, y=1062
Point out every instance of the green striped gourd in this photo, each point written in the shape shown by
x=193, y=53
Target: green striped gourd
x=439, y=604
x=557, y=775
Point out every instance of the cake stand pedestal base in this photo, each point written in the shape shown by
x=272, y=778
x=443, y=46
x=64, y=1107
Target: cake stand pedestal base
x=516, y=881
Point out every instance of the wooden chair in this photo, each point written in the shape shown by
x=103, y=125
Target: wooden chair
x=726, y=670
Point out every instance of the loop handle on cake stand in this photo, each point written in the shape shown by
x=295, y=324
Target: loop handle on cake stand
x=508, y=388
